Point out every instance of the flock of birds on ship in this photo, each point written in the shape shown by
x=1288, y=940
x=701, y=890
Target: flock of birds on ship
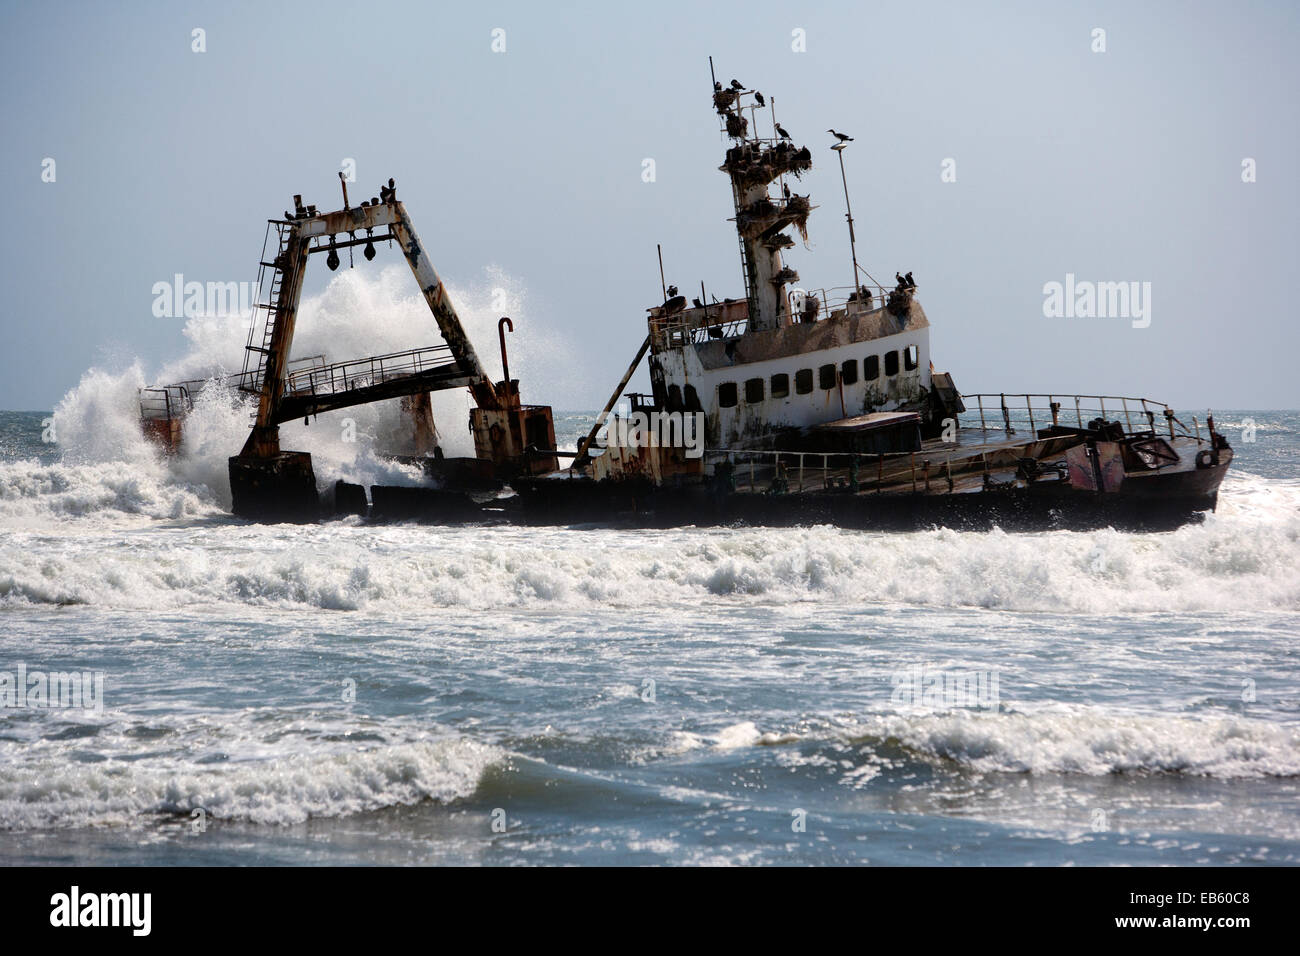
x=725, y=96
x=737, y=88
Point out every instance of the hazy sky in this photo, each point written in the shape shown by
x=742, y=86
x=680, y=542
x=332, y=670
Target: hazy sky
x=1123, y=165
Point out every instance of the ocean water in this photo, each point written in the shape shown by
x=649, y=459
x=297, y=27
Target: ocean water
x=341, y=693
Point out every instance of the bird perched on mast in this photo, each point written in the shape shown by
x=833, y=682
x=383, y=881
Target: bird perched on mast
x=737, y=85
x=758, y=98
x=780, y=131
x=840, y=136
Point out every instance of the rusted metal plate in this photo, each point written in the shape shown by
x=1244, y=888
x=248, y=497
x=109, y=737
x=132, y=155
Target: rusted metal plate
x=1110, y=463
x=1078, y=462
x=1095, y=467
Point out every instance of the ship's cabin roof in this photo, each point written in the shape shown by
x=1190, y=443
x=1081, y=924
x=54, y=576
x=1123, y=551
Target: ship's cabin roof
x=673, y=326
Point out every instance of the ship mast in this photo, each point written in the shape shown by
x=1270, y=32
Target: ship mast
x=848, y=214
x=754, y=163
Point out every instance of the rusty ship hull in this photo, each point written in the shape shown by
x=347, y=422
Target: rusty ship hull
x=973, y=502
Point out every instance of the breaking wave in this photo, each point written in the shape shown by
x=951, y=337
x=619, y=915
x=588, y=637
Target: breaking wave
x=1053, y=739
x=56, y=790
x=356, y=315
x=1086, y=740
x=1246, y=558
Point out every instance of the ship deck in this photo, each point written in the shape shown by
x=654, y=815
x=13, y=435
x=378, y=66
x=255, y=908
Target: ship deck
x=974, y=453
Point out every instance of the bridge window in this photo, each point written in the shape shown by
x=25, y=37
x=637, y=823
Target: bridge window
x=803, y=381
x=891, y=363
x=871, y=368
x=911, y=358
x=674, y=398
x=826, y=377
x=693, y=400
x=780, y=385
x=849, y=372
x=727, y=395
x=753, y=390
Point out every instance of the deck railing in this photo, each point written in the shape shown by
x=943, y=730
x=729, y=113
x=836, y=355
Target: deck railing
x=672, y=332
x=672, y=335
x=249, y=381
x=1002, y=411
x=838, y=298
x=359, y=373
x=760, y=471
x=164, y=403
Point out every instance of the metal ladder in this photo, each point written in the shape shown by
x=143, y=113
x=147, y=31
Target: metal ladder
x=255, y=355
x=750, y=297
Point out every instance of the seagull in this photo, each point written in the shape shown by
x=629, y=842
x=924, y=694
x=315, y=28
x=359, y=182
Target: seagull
x=758, y=98
x=780, y=131
x=737, y=85
x=840, y=136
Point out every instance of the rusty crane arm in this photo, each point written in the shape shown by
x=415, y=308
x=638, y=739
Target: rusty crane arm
x=584, y=455
x=306, y=235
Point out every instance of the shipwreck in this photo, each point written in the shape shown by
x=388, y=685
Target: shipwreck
x=785, y=403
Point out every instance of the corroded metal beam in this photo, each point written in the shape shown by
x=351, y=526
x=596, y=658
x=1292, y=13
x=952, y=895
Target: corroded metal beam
x=435, y=293
x=264, y=440
x=584, y=455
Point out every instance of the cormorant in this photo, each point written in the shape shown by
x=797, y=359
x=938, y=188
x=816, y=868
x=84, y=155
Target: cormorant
x=697, y=303
x=911, y=283
x=737, y=85
x=758, y=98
x=780, y=131
x=717, y=85
x=785, y=189
x=840, y=136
